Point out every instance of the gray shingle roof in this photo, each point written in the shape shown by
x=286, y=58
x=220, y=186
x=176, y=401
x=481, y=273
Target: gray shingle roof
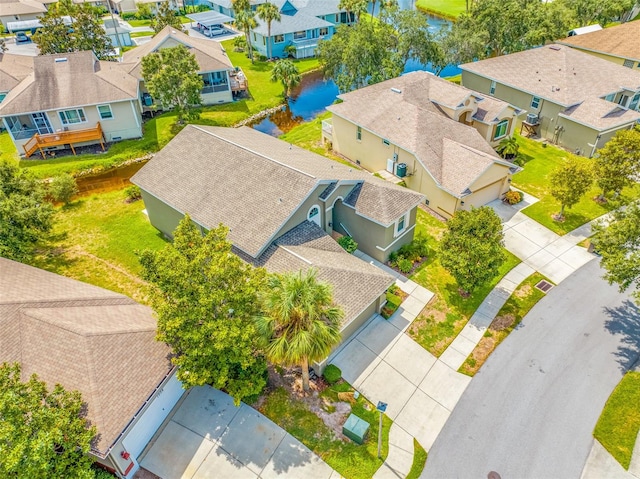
x=253, y=183
x=621, y=41
x=356, y=284
x=600, y=114
x=77, y=81
x=405, y=111
x=21, y=7
x=557, y=73
x=81, y=336
x=13, y=69
x=291, y=23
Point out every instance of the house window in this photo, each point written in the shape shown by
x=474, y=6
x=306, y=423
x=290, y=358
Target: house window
x=254, y=37
x=299, y=35
x=401, y=225
x=492, y=89
x=634, y=102
x=359, y=134
x=610, y=97
x=628, y=63
x=314, y=214
x=324, y=31
x=71, y=117
x=105, y=112
x=623, y=100
x=535, y=102
x=385, y=142
x=501, y=129
x=278, y=38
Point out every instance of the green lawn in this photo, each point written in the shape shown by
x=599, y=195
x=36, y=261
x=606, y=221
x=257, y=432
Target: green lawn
x=445, y=8
x=158, y=131
x=619, y=422
x=540, y=161
x=140, y=34
x=351, y=460
x=7, y=148
x=448, y=312
x=419, y=460
x=96, y=239
x=517, y=306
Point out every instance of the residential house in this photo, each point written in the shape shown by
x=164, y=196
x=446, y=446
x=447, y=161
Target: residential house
x=72, y=99
x=131, y=6
x=20, y=10
x=435, y=135
x=119, y=32
x=97, y=342
x=221, y=80
x=282, y=205
x=574, y=99
x=619, y=44
x=13, y=69
x=226, y=6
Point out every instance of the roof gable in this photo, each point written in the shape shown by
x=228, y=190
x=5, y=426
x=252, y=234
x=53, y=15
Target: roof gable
x=621, y=40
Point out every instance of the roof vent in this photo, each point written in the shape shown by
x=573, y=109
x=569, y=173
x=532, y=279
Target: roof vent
x=60, y=60
x=555, y=47
x=396, y=90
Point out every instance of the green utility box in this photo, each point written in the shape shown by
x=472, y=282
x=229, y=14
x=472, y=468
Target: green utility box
x=355, y=428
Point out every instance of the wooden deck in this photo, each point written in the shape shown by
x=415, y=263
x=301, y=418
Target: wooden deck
x=38, y=142
x=238, y=81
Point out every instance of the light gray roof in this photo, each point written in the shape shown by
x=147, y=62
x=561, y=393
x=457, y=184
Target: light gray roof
x=405, y=111
x=253, y=183
x=67, y=80
x=557, y=73
x=356, y=284
x=600, y=114
x=81, y=336
x=291, y=23
x=13, y=69
x=210, y=55
x=21, y=7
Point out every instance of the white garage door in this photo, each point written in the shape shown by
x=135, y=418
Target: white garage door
x=151, y=419
x=483, y=196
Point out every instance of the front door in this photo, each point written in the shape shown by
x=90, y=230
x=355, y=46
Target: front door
x=41, y=123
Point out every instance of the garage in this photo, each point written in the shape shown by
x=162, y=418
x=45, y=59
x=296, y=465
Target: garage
x=151, y=419
x=483, y=195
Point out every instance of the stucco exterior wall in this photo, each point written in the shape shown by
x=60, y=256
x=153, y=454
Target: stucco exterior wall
x=162, y=216
x=4, y=19
x=611, y=58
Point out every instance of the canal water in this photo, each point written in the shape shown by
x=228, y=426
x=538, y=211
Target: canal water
x=310, y=98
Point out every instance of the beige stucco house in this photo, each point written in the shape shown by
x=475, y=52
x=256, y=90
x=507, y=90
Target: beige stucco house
x=20, y=10
x=575, y=99
x=94, y=341
x=619, y=44
x=442, y=132
x=72, y=99
x=282, y=205
x=221, y=80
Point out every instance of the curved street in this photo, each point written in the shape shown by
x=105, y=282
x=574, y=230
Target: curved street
x=531, y=410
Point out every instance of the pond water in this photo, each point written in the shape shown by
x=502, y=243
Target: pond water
x=112, y=179
x=310, y=98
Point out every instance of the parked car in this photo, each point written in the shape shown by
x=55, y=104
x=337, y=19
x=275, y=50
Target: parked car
x=22, y=37
x=213, y=31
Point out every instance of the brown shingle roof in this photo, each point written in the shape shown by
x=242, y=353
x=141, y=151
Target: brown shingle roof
x=557, y=73
x=621, y=41
x=253, y=182
x=13, y=69
x=356, y=284
x=404, y=111
x=85, y=338
x=600, y=114
x=79, y=80
x=210, y=55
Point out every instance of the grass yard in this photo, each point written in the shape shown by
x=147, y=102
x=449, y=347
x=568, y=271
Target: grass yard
x=419, y=461
x=446, y=8
x=8, y=150
x=540, y=161
x=159, y=130
x=96, y=239
x=351, y=460
x=517, y=306
x=448, y=312
x=619, y=422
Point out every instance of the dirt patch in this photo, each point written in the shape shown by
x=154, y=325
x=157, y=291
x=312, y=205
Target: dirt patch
x=523, y=291
x=333, y=420
x=500, y=323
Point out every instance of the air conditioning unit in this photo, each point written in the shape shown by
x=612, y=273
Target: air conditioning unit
x=532, y=118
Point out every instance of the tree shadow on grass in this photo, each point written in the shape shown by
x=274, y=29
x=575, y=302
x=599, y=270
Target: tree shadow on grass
x=624, y=320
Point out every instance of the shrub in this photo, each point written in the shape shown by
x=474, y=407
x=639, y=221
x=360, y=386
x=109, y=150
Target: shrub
x=405, y=265
x=62, y=188
x=143, y=12
x=290, y=50
x=348, y=244
x=261, y=58
x=332, y=374
x=513, y=197
x=132, y=193
x=239, y=44
x=393, y=257
x=128, y=16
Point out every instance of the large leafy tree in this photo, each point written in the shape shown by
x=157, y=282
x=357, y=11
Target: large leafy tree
x=166, y=16
x=206, y=299
x=269, y=13
x=43, y=433
x=471, y=247
x=245, y=21
x=598, y=11
x=301, y=323
x=569, y=182
x=25, y=217
x=618, y=162
x=85, y=32
x=171, y=76
x=286, y=72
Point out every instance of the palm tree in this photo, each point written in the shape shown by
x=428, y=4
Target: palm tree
x=300, y=323
x=508, y=148
x=245, y=21
x=268, y=12
x=357, y=7
x=286, y=72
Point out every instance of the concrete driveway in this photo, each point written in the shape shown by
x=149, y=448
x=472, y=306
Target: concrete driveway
x=209, y=437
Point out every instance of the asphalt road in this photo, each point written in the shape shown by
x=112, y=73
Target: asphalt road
x=531, y=410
